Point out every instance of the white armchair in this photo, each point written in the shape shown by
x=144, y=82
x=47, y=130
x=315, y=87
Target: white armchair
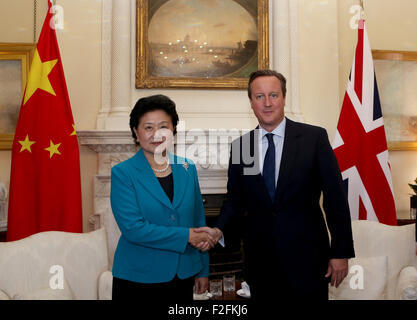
x=384, y=266
x=56, y=265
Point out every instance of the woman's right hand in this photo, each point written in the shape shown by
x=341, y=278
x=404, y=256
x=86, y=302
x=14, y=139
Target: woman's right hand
x=196, y=238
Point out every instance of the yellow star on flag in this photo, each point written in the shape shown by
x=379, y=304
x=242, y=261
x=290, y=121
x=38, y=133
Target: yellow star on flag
x=38, y=76
x=74, y=133
x=53, y=148
x=26, y=144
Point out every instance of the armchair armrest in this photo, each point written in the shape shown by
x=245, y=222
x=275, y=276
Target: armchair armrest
x=3, y=295
x=407, y=284
x=105, y=286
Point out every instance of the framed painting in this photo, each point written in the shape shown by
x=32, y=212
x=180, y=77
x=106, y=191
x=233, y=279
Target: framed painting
x=200, y=43
x=15, y=61
x=396, y=73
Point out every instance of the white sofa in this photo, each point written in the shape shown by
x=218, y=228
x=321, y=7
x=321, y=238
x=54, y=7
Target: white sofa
x=56, y=265
x=385, y=259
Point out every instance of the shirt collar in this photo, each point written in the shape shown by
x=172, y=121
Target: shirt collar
x=279, y=130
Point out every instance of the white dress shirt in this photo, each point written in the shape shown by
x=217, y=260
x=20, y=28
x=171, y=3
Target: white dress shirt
x=279, y=134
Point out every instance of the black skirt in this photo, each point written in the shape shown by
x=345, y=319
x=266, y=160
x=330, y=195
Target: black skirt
x=176, y=290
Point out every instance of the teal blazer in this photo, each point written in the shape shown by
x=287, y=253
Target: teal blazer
x=153, y=246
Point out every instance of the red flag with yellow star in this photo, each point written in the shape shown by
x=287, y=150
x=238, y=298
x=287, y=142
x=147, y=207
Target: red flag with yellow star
x=45, y=183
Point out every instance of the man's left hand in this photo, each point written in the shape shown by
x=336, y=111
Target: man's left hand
x=338, y=269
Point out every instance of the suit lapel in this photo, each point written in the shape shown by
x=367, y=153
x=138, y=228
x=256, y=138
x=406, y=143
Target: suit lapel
x=289, y=153
x=180, y=172
x=149, y=181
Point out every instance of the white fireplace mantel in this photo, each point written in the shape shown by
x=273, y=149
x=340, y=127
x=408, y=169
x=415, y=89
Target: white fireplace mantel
x=209, y=149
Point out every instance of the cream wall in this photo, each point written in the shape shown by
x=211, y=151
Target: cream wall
x=318, y=63
x=326, y=47
x=80, y=46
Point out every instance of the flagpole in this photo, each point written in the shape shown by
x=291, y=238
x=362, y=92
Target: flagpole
x=363, y=8
x=361, y=12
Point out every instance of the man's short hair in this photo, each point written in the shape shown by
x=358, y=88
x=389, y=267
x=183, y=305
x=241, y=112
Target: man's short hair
x=267, y=73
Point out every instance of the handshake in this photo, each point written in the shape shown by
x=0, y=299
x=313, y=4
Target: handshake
x=204, y=238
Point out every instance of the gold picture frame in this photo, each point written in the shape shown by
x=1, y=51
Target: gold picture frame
x=396, y=73
x=231, y=62
x=22, y=52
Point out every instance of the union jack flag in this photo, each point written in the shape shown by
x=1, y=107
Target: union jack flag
x=360, y=144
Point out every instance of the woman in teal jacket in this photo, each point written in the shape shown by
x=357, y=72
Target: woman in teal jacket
x=157, y=203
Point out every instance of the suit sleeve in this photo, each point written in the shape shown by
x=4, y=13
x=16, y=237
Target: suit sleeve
x=335, y=202
x=200, y=222
x=133, y=226
x=233, y=205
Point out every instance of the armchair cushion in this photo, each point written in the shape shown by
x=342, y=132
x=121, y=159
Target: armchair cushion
x=373, y=284
x=374, y=239
x=407, y=284
x=47, y=293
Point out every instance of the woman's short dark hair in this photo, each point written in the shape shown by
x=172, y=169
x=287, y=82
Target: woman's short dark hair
x=267, y=73
x=152, y=103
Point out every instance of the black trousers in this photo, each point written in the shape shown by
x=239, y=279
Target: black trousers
x=271, y=282
x=180, y=290
x=281, y=291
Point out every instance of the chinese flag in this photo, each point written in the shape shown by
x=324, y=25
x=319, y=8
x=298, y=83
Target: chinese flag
x=45, y=184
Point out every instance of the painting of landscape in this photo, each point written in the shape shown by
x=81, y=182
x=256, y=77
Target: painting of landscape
x=203, y=38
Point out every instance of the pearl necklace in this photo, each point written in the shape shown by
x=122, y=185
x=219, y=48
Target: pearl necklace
x=161, y=170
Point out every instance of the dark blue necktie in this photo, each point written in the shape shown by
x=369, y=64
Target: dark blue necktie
x=269, y=166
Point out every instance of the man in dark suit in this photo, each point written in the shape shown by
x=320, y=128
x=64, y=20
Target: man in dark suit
x=276, y=176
